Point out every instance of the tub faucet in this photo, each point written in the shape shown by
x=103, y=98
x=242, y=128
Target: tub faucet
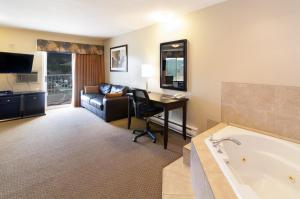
x=216, y=142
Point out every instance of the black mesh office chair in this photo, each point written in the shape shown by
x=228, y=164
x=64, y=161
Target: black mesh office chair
x=144, y=109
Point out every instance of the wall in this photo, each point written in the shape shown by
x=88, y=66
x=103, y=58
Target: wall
x=24, y=41
x=250, y=41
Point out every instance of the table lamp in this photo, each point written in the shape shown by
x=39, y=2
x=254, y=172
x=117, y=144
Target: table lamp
x=147, y=72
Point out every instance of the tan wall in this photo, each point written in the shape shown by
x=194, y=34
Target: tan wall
x=250, y=41
x=24, y=41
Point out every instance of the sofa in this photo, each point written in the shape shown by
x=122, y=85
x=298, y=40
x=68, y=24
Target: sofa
x=106, y=100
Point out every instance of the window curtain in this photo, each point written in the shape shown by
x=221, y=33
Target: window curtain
x=89, y=70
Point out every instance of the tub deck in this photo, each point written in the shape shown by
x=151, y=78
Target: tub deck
x=217, y=180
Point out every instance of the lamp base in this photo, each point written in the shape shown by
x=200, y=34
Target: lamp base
x=147, y=87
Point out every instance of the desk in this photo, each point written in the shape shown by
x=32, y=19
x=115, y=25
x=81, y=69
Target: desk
x=168, y=104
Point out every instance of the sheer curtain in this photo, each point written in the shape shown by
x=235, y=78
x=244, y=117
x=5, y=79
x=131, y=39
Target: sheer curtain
x=88, y=71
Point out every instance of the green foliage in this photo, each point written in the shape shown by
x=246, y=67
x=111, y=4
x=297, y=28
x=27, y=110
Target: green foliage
x=59, y=63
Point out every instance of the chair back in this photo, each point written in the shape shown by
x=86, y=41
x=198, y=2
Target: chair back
x=141, y=101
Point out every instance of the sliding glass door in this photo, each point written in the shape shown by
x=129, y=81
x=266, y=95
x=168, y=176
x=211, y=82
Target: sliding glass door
x=59, y=78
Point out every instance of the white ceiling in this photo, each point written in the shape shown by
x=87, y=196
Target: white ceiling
x=96, y=18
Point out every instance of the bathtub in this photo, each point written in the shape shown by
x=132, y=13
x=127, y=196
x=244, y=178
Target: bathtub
x=262, y=167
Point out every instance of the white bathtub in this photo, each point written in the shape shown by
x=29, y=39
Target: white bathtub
x=261, y=167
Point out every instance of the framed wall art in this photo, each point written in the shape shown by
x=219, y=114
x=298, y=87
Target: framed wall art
x=119, y=58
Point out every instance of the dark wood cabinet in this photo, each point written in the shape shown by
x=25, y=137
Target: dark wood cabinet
x=10, y=107
x=34, y=104
x=22, y=104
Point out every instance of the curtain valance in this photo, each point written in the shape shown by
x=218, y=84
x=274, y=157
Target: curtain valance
x=68, y=47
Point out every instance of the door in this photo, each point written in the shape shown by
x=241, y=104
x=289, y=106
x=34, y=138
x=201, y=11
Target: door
x=59, y=78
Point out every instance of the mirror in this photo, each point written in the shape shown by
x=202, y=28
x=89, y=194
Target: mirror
x=173, y=65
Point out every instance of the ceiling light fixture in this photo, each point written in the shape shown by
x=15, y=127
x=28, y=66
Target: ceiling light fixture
x=168, y=20
x=162, y=16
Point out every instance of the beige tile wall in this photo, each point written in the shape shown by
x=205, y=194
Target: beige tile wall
x=271, y=108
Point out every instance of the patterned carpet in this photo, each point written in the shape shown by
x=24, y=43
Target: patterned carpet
x=71, y=153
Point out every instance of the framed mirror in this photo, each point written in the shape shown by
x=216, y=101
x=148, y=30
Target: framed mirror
x=173, y=65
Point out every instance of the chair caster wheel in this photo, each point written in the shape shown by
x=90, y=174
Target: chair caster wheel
x=134, y=139
x=154, y=141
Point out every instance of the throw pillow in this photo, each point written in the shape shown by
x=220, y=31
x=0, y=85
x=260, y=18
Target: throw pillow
x=91, y=89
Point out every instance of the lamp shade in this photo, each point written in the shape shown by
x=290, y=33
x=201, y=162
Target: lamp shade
x=147, y=70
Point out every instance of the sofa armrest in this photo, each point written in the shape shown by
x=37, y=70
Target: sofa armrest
x=114, y=99
x=115, y=108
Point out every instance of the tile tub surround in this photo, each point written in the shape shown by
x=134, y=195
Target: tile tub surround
x=271, y=108
x=218, y=183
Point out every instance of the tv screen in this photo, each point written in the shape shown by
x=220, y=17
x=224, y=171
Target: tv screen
x=15, y=63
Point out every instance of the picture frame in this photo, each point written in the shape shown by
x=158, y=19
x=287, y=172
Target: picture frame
x=119, y=58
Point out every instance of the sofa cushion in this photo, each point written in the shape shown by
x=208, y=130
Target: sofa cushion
x=119, y=89
x=97, y=102
x=105, y=88
x=91, y=89
x=87, y=97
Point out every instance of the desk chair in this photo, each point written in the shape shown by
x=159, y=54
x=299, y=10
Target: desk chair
x=144, y=109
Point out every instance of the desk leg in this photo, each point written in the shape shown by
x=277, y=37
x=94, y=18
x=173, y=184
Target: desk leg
x=129, y=113
x=184, y=121
x=166, y=128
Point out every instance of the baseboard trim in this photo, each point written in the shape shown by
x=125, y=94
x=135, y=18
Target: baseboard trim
x=191, y=131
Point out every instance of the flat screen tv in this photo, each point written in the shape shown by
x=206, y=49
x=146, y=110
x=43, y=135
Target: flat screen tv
x=15, y=63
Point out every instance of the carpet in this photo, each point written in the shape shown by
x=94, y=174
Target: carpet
x=71, y=153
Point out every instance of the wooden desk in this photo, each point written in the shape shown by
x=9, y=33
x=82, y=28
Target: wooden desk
x=168, y=104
